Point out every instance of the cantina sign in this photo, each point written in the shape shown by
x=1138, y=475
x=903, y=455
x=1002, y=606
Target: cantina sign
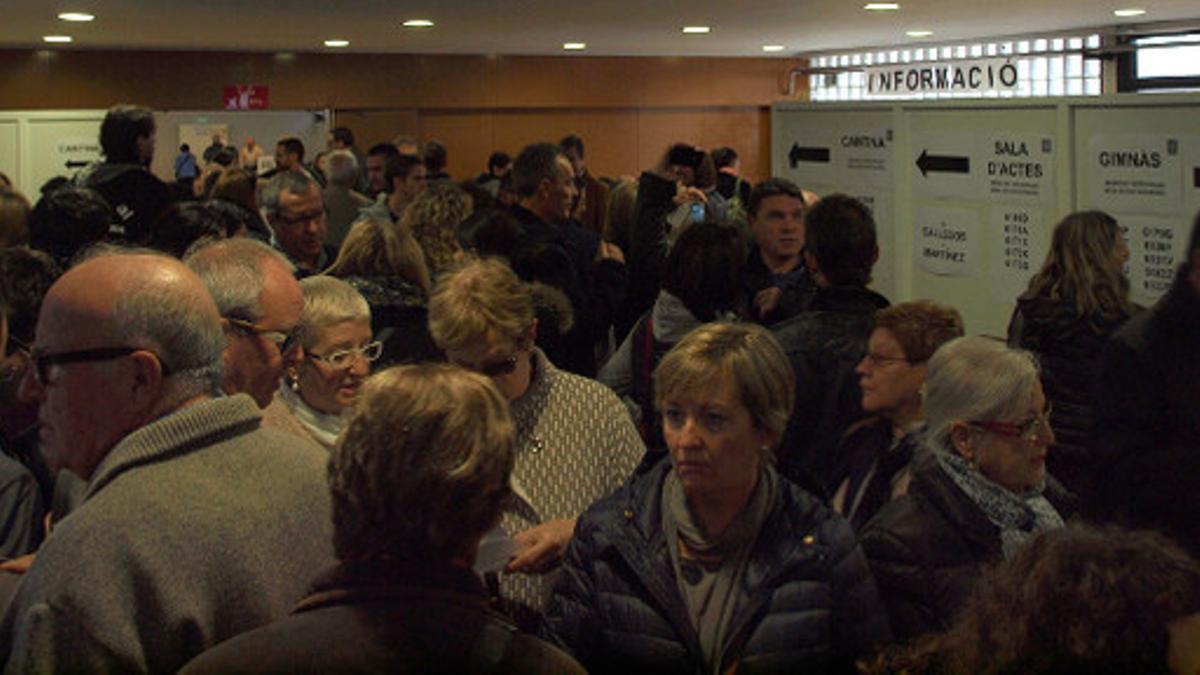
x=973, y=77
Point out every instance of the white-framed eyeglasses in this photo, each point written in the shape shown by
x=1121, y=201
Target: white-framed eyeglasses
x=344, y=358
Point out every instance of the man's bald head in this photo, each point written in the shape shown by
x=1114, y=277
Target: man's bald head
x=121, y=340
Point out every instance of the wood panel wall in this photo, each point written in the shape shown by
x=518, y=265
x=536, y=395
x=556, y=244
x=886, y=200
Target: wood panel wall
x=627, y=109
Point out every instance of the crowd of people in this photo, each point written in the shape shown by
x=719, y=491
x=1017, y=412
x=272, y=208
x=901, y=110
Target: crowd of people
x=660, y=423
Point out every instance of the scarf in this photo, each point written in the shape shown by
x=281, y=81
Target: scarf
x=1018, y=515
x=323, y=427
x=708, y=584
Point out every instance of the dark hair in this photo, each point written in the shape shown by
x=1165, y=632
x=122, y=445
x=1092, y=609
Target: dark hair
x=498, y=159
x=481, y=199
x=840, y=234
x=399, y=166
x=772, y=187
x=494, y=233
x=293, y=146
x=227, y=156
x=1194, y=243
x=434, y=154
x=67, y=220
x=573, y=144
x=706, y=172
x=185, y=148
x=123, y=125
x=537, y=162
x=56, y=183
x=1072, y=600
x=682, y=154
x=383, y=150
x=25, y=276
x=723, y=157
x=704, y=268
x=342, y=135
x=185, y=224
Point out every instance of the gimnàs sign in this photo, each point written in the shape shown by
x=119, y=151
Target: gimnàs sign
x=968, y=77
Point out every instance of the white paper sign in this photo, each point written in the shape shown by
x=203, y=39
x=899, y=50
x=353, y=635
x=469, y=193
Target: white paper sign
x=1017, y=246
x=946, y=241
x=1019, y=167
x=1155, y=250
x=72, y=154
x=1134, y=173
x=975, y=77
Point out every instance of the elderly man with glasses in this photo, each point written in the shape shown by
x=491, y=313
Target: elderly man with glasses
x=197, y=524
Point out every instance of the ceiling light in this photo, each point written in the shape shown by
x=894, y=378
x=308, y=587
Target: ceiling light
x=57, y=38
x=1132, y=11
x=919, y=33
x=772, y=48
x=696, y=30
x=418, y=23
x=881, y=6
x=337, y=43
x=575, y=46
x=76, y=16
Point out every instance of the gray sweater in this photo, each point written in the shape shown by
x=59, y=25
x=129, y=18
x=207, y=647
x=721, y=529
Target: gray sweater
x=196, y=527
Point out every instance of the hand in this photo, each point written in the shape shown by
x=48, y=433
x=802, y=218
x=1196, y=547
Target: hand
x=541, y=547
x=17, y=565
x=609, y=251
x=691, y=194
x=766, y=300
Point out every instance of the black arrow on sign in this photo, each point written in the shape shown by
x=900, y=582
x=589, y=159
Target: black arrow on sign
x=799, y=154
x=944, y=163
x=76, y=163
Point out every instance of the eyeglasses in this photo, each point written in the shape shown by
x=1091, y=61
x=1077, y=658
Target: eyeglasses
x=42, y=362
x=285, y=341
x=300, y=219
x=495, y=369
x=876, y=360
x=344, y=358
x=1032, y=430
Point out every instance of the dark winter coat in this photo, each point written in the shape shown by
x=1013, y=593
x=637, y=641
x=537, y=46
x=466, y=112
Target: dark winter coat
x=399, y=319
x=1068, y=348
x=929, y=548
x=806, y=604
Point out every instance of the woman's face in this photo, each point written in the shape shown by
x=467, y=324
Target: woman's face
x=891, y=385
x=324, y=387
x=715, y=446
x=1011, y=458
x=1120, y=251
x=506, y=363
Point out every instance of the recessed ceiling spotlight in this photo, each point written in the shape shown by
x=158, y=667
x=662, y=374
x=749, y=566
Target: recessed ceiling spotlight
x=772, y=48
x=574, y=46
x=696, y=30
x=919, y=33
x=57, y=38
x=881, y=6
x=76, y=16
x=1131, y=11
x=418, y=23
x=337, y=43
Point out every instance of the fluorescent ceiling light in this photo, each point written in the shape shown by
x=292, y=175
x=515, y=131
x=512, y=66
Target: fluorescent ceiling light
x=772, y=48
x=696, y=30
x=76, y=16
x=919, y=33
x=881, y=6
x=1132, y=11
x=57, y=38
x=337, y=43
x=418, y=23
x=575, y=45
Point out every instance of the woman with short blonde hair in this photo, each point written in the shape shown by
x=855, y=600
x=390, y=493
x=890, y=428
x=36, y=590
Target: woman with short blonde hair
x=433, y=217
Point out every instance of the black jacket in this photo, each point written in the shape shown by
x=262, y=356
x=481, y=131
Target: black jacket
x=393, y=618
x=807, y=601
x=137, y=197
x=929, y=548
x=798, y=289
x=399, y=319
x=647, y=248
x=824, y=344
x=1068, y=349
x=1147, y=402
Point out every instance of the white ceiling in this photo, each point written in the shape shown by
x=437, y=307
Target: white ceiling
x=609, y=27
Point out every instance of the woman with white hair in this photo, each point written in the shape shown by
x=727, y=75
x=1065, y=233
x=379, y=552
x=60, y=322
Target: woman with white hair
x=335, y=334
x=979, y=489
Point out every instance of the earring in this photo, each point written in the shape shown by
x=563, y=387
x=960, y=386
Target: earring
x=293, y=379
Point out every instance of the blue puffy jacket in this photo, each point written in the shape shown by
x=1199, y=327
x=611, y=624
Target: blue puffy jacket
x=808, y=602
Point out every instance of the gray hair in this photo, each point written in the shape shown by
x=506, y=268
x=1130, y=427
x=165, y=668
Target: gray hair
x=422, y=469
x=232, y=270
x=327, y=301
x=295, y=182
x=975, y=379
x=341, y=168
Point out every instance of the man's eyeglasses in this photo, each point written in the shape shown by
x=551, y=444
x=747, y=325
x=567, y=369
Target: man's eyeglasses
x=300, y=219
x=344, y=358
x=285, y=341
x=42, y=362
x=1034, y=429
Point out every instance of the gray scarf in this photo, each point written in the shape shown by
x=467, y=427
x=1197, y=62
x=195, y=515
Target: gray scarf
x=1018, y=515
x=708, y=585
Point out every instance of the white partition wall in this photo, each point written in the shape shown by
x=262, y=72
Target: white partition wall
x=966, y=193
